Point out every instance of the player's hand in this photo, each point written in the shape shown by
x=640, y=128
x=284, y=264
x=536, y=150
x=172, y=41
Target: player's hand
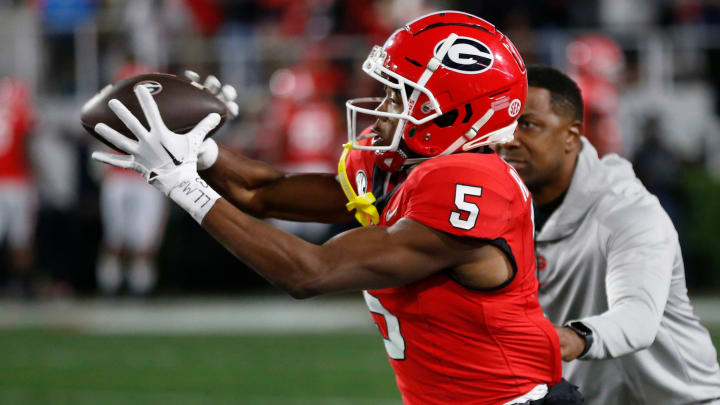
x=571, y=344
x=225, y=93
x=208, y=154
x=164, y=158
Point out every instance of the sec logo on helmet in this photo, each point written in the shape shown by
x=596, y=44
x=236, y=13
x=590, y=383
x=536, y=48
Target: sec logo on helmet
x=514, y=108
x=467, y=55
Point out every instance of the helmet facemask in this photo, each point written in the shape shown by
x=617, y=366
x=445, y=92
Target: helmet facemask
x=409, y=91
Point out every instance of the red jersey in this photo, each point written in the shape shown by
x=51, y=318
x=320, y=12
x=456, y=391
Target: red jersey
x=16, y=122
x=447, y=343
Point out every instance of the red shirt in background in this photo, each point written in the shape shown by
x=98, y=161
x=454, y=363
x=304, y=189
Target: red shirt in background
x=17, y=118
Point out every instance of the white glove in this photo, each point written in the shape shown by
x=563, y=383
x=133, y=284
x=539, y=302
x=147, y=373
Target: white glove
x=165, y=159
x=227, y=93
x=208, y=154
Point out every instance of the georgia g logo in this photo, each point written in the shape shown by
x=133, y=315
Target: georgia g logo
x=467, y=55
x=152, y=86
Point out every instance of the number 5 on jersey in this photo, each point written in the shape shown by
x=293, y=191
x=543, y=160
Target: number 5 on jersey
x=465, y=208
x=470, y=210
x=394, y=343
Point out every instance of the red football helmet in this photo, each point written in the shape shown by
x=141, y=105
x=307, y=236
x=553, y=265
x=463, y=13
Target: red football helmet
x=463, y=84
x=595, y=55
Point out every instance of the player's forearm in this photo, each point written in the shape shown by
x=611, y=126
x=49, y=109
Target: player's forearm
x=283, y=259
x=364, y=258
x=235, y=176
x=266, y=192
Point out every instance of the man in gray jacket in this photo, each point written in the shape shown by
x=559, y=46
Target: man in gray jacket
x=609, y=262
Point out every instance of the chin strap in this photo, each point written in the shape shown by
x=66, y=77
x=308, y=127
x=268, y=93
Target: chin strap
x=502, y=135
x=365, y=211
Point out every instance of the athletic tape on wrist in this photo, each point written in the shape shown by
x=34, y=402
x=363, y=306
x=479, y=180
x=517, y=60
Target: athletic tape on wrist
x=194, y=196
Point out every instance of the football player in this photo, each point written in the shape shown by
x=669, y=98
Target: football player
x=445, y=261
x=18, y=198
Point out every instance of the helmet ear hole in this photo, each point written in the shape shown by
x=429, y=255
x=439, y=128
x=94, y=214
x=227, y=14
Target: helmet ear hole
x=446, y=119
x=468, y=113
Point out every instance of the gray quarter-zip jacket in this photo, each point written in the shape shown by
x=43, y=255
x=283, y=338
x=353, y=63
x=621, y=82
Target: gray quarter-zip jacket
x=609, y=256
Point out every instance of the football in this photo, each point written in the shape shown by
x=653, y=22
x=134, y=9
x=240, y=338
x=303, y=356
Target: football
x=182, y=104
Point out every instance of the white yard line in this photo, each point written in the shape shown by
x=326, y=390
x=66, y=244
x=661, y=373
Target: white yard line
x=243, y=315
x=273, y=314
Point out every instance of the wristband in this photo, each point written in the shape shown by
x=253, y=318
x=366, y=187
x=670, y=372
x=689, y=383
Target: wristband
x=194, y=196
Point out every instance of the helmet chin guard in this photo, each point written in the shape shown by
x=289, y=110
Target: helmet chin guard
x=462, y=85
x=374, y=66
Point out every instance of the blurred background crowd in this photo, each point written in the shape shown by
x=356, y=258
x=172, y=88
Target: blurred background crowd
x=649, y=71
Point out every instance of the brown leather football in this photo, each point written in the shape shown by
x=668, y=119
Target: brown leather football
x=182, y=104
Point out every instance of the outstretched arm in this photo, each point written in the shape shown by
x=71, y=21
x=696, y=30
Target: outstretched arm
x=265, y=191
x=370, y=257
x=363, y=258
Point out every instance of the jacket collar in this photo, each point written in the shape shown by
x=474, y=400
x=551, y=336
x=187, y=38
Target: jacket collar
x=585, y=188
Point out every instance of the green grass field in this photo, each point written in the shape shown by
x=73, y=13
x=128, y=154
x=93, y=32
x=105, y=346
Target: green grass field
x=63, y=367
x=39, y=366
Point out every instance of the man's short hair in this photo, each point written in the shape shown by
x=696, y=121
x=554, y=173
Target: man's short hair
x=565, y=96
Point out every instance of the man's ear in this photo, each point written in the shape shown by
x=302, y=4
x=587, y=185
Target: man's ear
x=573, y=134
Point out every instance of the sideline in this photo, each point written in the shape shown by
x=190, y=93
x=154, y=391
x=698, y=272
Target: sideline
x=242, y=315
x=263, y=314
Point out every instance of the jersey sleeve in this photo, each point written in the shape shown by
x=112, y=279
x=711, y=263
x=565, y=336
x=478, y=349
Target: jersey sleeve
x=461, y=199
